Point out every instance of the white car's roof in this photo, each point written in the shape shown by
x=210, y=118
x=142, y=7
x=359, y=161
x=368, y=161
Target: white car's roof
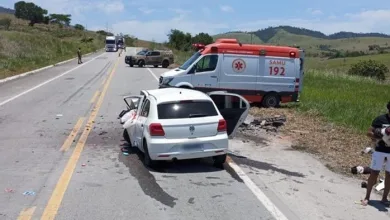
x=177, y=94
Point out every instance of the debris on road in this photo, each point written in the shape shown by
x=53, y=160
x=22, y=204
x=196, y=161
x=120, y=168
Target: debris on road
x=58, y=116
x=270, y=124
x=8, y=190
x=103, y=132
x=83, y=165
x=29, y=193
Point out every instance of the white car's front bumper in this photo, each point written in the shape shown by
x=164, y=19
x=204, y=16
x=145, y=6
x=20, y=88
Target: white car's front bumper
x=182, y=149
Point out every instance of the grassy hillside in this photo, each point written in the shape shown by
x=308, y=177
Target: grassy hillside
x=314, y=42
x=341, y=65
x=24, y=48
x=242, y=37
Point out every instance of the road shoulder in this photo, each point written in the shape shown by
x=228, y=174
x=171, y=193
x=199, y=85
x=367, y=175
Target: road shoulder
x=301, y=181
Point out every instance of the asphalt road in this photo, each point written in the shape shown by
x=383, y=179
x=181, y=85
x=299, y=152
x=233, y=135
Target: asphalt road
x=60, y=143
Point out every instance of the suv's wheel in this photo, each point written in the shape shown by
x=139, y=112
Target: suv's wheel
x=165, y=64
x=271, y=100
x=141, y=63
x=131, y=65
x=147, y=160
x=219, y=160
x=155, y=66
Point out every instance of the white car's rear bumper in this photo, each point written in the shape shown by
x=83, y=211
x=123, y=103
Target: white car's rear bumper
x=182, y=149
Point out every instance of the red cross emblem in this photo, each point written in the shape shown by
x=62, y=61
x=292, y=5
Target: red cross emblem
x=238, y=65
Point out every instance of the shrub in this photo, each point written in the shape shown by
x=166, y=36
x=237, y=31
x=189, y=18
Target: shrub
x=369, y=68
x=5, y=23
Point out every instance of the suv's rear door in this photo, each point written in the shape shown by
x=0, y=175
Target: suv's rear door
x=233, y=107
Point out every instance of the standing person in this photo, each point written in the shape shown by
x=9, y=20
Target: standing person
x=79, y=56
x=380, y=157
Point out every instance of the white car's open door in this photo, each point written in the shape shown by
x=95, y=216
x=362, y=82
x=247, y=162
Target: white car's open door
x=233, y=107
x=132, y=101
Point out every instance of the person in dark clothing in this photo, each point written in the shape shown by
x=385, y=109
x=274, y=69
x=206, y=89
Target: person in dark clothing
x=79, y=55
x=380, y=157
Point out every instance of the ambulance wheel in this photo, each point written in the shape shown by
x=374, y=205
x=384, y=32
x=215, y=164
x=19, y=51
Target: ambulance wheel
x=271, y=100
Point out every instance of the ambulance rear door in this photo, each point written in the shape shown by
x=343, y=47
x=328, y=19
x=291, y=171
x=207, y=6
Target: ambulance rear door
x=279, y=75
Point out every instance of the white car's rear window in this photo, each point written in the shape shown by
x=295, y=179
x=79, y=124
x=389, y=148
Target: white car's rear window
x=186, y=109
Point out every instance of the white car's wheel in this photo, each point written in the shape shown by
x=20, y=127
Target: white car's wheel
x=126, y=136
x=147, y=160
x=219, y=160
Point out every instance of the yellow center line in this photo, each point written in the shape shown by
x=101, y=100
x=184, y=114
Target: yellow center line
x=95, y=97
x=104, y=81
x=56, y=198
x=68, y=142
x=27, y=213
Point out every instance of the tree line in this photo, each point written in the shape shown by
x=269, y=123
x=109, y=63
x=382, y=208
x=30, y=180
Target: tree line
x=179, y=40
x=38, y=15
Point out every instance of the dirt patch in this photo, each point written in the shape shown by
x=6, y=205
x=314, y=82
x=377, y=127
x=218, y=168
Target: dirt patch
x=338, y=147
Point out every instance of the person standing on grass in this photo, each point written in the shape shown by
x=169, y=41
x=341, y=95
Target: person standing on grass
x=380, y=157
x=79, y=56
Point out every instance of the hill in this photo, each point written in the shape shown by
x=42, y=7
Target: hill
x=314, y=42
x=24, y=48
x=6, y=10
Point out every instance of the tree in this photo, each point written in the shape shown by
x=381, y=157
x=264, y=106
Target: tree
x=30, y=11
x=202, y=38
x=63, y=19
x=79, y=27
x=179, y=40
x=104, y=33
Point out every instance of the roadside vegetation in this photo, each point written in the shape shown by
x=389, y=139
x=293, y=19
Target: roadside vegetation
x=31, y=38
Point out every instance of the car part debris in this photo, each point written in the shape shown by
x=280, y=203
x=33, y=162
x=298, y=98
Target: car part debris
x=29, y=193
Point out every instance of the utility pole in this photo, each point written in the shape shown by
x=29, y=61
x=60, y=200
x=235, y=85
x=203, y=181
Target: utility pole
x=251, y=37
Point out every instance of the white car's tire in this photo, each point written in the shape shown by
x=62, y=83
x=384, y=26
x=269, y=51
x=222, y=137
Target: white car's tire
x=147, y=160
x=126, y=136
x=219, y=160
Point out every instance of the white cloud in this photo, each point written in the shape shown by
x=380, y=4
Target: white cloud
x=158, y=29
x=226, y=8
x=366, y=21
x=314, y=11
x=110, y=6
x=146, y=10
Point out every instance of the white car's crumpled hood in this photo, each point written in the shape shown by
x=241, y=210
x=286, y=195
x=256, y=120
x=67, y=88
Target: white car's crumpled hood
x=173, y=72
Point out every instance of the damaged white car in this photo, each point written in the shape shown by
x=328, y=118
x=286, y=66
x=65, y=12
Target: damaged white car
x=177, y=123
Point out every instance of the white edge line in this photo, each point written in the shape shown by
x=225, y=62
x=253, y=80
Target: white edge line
x=276, y=213
x=38, y=70
x=47, y=81
x=150, y=71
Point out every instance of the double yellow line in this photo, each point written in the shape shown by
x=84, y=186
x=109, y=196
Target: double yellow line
x=55, y=200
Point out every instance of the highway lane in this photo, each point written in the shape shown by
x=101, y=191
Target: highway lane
x=93, y=180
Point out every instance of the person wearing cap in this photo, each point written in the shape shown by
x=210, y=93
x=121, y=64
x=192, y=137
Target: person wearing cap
x=380, y=157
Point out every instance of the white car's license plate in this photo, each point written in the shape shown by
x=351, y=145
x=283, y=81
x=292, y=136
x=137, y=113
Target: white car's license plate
x=193, y=147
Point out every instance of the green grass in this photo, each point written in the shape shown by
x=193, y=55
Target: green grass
x=345, y=100
x=24, y=48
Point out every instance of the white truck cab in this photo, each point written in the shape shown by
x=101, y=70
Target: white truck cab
x=261, y=73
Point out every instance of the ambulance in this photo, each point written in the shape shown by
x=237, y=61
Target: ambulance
x=263, y=74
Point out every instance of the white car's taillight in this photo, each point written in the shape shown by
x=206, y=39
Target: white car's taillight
x=222, y=126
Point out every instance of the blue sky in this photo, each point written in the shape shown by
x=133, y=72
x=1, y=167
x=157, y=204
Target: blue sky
x=152, y=19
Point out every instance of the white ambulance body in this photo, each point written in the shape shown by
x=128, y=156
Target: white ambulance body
x=261, y=73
